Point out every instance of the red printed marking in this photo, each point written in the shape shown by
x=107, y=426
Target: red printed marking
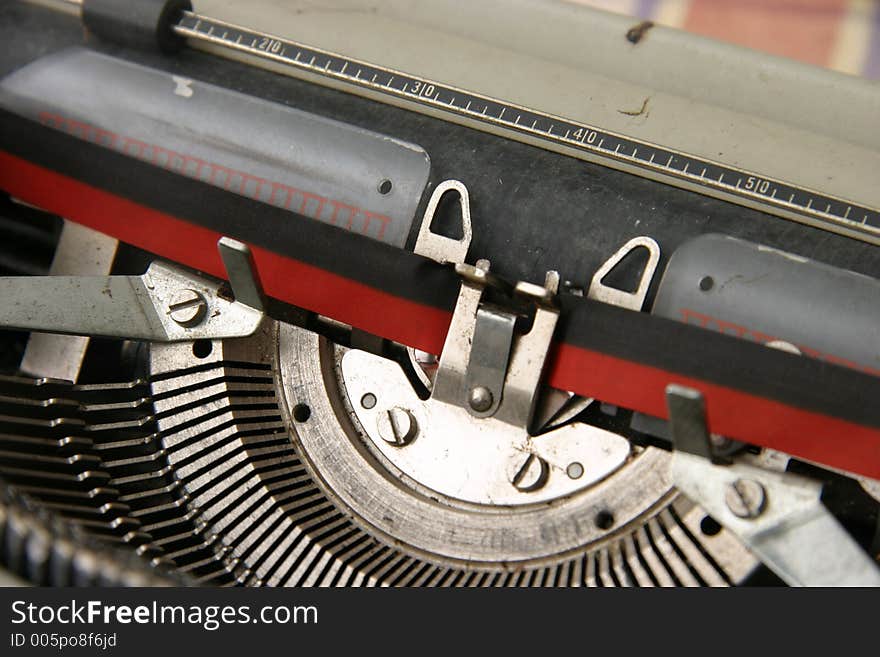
x=723, y=326
x=310, y=204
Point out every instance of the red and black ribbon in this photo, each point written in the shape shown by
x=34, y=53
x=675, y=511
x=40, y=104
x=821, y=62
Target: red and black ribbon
x=809, y=408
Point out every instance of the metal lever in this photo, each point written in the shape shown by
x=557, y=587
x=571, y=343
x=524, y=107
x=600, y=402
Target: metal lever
x=779, y=516
x=166, y=304
x=687, y=421
x=242, y=273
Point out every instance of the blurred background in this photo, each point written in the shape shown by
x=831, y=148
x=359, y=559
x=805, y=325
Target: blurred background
x=843, y=35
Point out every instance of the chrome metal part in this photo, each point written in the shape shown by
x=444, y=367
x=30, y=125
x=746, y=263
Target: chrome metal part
x=491, y=343
x=558, y=407
x=654, y=537
x=468, y=458
x=148, y=307
x=449, y=380
x=746, y=498
x=242, y=273
x=187, y=307
x=38, y=549
x=540, y=294
x=226, y=442
x=246, y=463
x=480, y=399
x=480, y=275
x=776, y=460
x=469, y=361
x=476, y=445
x=396, y=426
x=526, y=366
x=424, y=365
x=439, y=247
x=267, y=447
x=91, y=453
x=687, y=420
x=784, y=523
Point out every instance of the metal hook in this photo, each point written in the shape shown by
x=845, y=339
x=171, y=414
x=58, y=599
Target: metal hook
x=438, y=247
x=622, y=298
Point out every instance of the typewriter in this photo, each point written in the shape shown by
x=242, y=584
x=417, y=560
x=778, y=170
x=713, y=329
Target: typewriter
x=431, y=294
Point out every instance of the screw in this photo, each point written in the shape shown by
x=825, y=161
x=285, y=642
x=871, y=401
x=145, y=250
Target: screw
x=745, y=498
x=480, y=398
x=531, y=475
x=397, y=426
x=188, y=308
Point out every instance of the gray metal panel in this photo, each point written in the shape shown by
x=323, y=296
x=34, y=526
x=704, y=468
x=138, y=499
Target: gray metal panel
x=321, y=168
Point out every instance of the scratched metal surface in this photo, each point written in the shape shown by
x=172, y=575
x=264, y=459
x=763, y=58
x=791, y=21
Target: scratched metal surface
x=533, y=209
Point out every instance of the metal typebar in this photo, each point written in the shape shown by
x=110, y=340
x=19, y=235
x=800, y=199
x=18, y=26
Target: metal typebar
x=80, y=251
x=166, y=304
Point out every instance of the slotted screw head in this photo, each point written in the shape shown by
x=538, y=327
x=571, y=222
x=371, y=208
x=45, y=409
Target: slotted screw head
x=746, y=498
x=187, y=307
x=397, y=426
x=529, y=473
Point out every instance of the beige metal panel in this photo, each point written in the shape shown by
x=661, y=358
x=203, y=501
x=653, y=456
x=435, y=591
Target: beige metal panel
x=771, y=115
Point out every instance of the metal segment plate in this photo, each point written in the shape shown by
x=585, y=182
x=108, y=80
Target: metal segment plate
x=473, y=459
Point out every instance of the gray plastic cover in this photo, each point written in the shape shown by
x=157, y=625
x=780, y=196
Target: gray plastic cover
x=769, y=296
x=330, y=171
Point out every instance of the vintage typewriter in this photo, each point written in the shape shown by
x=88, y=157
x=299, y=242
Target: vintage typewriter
x=498, y=293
